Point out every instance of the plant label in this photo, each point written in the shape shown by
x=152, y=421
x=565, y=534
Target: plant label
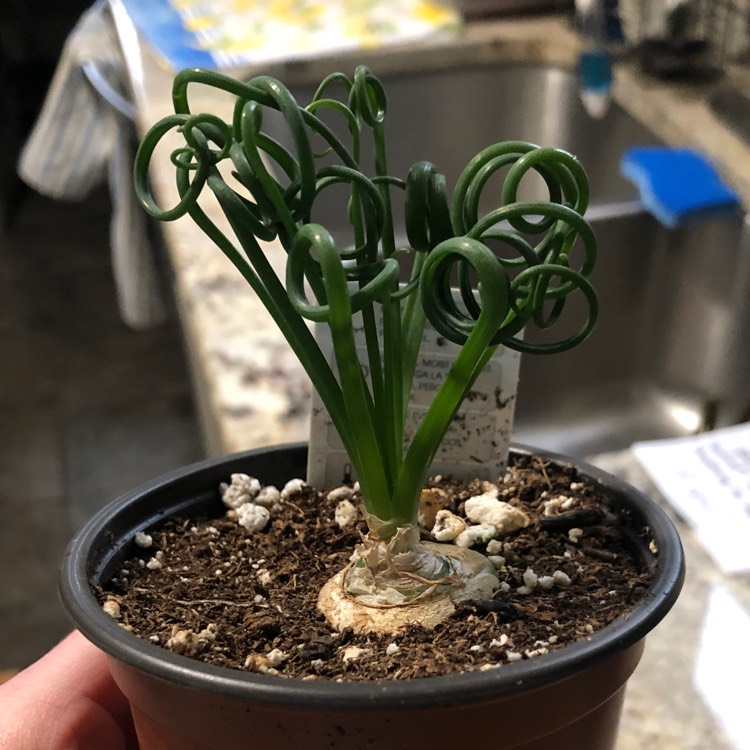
x=476, y=445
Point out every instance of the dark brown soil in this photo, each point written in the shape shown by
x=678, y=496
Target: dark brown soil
x=240, y=595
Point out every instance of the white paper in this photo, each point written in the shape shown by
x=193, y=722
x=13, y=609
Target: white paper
x=725, y=631
x=706, y=478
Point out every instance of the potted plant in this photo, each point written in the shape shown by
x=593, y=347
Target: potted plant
x=402, y=582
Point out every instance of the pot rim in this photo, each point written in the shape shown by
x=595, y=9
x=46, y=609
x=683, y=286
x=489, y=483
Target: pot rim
x=107, y=634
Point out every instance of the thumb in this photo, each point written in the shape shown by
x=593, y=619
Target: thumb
x=66, y=701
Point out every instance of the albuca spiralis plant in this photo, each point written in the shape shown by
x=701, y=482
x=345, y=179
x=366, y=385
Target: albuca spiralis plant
x=512, y=266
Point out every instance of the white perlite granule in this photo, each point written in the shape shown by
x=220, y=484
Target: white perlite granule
x=561, y=578
x=264, y=577
x=483, y=532
x=292, y=487
x=447, y=526
x=276, y=657
x=340, y=493
x=242, y=489
x=143, y=540
x=530, y=578
x=494, y=547
x=558, y=504
x=350, y=653
x=269, y=497
x=430, y=502
x=253, y=517
x=112, y=608
x=156, y=562
x=486, y=509
x=190, y=642
x=345, y=514
x=575, y=535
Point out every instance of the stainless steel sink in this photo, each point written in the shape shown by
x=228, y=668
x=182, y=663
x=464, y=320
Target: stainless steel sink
x=670, y=355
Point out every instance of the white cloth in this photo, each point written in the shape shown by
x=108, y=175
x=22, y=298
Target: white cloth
x=78, y=142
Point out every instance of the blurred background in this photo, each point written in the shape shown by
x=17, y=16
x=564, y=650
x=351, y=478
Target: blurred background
x=92, y=405
x=88, y=407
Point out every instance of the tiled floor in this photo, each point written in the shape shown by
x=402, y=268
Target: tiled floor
x=88, y=408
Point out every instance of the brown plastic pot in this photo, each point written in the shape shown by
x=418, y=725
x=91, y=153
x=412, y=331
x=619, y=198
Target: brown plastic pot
x=569, y=698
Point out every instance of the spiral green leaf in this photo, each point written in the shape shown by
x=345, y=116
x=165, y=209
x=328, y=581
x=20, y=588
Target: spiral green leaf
x=515, y=265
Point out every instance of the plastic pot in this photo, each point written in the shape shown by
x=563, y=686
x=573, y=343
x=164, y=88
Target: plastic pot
x=569, y=698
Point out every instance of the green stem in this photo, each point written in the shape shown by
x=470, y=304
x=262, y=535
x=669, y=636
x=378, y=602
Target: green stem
x=270, y=291
x=469, y=362
x=370, y=471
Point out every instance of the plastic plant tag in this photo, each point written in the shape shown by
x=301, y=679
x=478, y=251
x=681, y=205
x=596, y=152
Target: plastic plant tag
x=476, y=445
x=706, y=479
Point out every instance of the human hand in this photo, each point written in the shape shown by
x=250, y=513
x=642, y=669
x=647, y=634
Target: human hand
x=66, y=701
